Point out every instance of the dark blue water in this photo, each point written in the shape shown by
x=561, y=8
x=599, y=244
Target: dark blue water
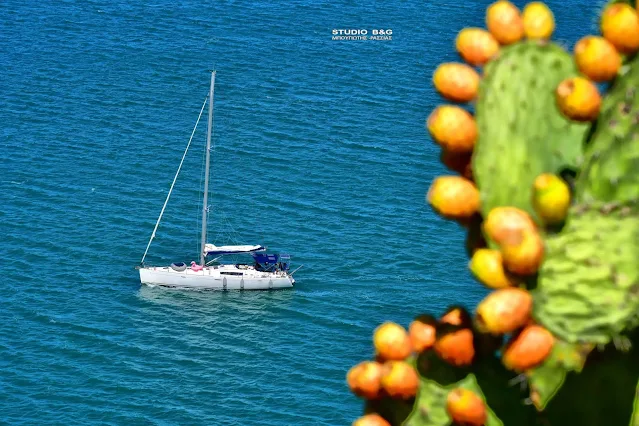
x=320, y=151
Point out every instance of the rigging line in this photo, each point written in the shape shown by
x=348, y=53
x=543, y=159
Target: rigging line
x=173, y=183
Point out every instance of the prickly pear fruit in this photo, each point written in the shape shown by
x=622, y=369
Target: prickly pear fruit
x=466, y=407
x=391, y=341
x=578, y=99
x=456, y=82
x=488, y=267
x=504, y=222
x=364, y=379
x=597, y=58
x=620, y=25
x=372, y=419
x=453, y=197
x=539, y=22
x=551, y=198
x=456, y=315
x=453, y=128
x=476, y=46
x=458, y=162
x=422, y=335
x=504, y=22
x=456, y=346
x=400, y=379
x=504, y=310
x=528, y=349
x=523, y=252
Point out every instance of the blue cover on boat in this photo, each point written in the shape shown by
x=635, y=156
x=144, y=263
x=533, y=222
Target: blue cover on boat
x=266, y=259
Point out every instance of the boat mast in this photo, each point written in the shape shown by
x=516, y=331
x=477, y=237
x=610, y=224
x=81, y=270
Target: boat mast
x=205, y=208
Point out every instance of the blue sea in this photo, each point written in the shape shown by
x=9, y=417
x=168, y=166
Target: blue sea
x=320, y=151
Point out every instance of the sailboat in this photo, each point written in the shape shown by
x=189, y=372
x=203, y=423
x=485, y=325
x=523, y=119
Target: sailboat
x=266, y=271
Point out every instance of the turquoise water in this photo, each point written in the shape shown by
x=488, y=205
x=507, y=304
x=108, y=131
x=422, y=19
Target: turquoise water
x=320, y=152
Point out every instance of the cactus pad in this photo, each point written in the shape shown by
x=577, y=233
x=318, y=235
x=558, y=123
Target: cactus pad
x=588, y=288
x=521, y=131
x=430, y=405
x=611, y=168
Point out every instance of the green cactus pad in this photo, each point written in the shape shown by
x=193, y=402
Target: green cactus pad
x=521, y=130
x=588, y=287
x=611, y=167
x=546, y=380
x=430, y=405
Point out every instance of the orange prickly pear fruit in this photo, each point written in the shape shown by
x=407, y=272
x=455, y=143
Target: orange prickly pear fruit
x=456, y=315
x=578, y=99
x=528, y=349
x=453, y=197
x=422, y=334
x=504, y=22
x=364, y=379
x=455, y=346
x=487, y=266
x=476, y=46
x=391, y=342
x=453, y=128
x=400, y=379
x=597, y=58
x=504, y=311
x=466, y=407
x=539, y=22
x=523, y=252
x=551, y=198
x=372, y=419
x=620, y=26
x=456, y=82
x=502, y=222
x=459, y=162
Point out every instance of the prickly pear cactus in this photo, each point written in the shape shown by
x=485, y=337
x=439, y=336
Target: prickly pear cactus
x=521, y=132
x=557, y=340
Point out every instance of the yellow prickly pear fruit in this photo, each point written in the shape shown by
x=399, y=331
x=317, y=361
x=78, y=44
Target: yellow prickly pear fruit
x=488, y=267
x=551, y=198
x=453, y=128
x=456, y=82
x=539, y=22
x=372, y=419
x=620, y=26
x=523, y=252
x=466, y=408
x=504, y=22
x=504, y=311
x=597, y=58
x=391, y=341
x=476, y=46
x=529, y=349
x=578, y=99
x=504, y=222
x=454, y=197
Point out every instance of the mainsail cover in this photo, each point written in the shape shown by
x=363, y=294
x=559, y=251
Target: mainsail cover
x=213, y=250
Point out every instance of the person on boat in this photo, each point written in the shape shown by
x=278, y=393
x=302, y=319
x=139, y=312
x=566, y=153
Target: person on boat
x=195, y=267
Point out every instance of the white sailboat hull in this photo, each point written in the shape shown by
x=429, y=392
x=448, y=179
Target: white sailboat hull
x=224, y=277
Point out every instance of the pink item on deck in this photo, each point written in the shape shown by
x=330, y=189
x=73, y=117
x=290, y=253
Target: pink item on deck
x=195, y=267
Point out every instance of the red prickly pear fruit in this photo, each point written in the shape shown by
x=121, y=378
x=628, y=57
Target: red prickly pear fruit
x=456, y=347
x=528, y=349
x=504, y=311
x=466, y=407
x=364, y=379
x=400, y=379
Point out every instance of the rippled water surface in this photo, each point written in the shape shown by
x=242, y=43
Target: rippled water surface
x=320, y=151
